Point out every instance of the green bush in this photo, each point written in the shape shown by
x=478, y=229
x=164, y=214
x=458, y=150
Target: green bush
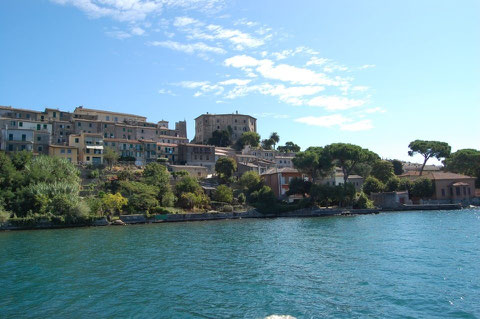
x=94, y=174
x=373, y=185
x=227, y=208
x=224, y=194
x=363, y=202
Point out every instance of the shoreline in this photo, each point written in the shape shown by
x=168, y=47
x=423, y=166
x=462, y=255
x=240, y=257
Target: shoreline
x=253, y=213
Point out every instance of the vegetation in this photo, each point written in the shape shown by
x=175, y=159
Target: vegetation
x=373, y=185
x=221, y=138
x=289, y=147
x=382, y=170
x=429, y=149
x=314, y=162
x=465, y=161
x=248, y=138
x=225, y=168
x=110, y=156
x=397, y=167
x=224, y=194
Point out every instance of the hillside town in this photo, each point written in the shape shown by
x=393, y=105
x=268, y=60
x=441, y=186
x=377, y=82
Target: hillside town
x=228, y=163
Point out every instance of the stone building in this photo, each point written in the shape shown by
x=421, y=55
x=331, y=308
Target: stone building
x=197, y=155
x=238, y=124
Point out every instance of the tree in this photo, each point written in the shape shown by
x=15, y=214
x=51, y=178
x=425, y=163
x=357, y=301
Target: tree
x=110, y=156
x=157, y=175
x=250, y=181
x=299, y=186
x=347, y=156
x=225, y=167
x=363, y=202
x=267, y=144
x=275, y=138
x=113, y=203
x=429, y=149
x=187, y=184
x=422, y=188
x=393, y=184
x=223, y=194
x=248, y=138
x=315, y=162
x=289, y=147
x=373, y=185
x=465, y=161
x=397, y=167
x=178, y=174
x=221, y=138
x=382, y=170
x=141, y=197
x=264, y=196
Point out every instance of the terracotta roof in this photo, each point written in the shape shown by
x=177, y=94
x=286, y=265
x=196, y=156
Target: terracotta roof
x=436, y=175
x=81, y=108
x=167, y=144
x=61, y=146
x=209, y=114
x=281, y=170
x=17, y=109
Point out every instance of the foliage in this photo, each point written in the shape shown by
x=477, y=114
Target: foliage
x=362, y=169
x=405, y=185
x=224, y=194
x=193, y=200
x=264, y=196
x=429, y=149
x=94, y=174
x=373, y=185
x=227, y=208
x=110, y=156
x=423, y=188
x=225, y=167
x=4, y=215
x=20, y=159
x=241, y=198
x=289, y=147
x=299, y=186
x=267, y=144
x=275, y=138
x=178, y=174
x=314, y=162
x=126, y=159
x=187, y=184
x=250, y=181
x=113, y=203
x=465, y=161
x=248, y=138
x=363, y=202
x=168, y=199
x=141, y=197
x=397, y=167
x=221, y=138
x=347, y=156
x=326, y=195
x=382, y=170
x=50, y=169
x=393, y=184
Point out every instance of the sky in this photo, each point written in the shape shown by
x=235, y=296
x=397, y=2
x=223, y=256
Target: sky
x=379, y=74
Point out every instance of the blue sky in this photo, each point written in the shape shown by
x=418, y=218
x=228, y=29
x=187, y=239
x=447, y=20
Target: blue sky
x=375, y=73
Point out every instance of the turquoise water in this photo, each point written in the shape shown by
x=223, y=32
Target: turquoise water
x=392, y=265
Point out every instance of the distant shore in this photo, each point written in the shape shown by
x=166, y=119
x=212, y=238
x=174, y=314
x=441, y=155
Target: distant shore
x=253, y=213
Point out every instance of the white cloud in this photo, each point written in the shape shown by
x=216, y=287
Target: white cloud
x=367, y=66
x=360, y=88
x=333, y=67
x=271, y=115
x=188, y=47
x=316, y=61
x=118, y=34
x=362, y=125
x=137, y=10
x=166, y=91
x=282, y=72
x=374, y=110
x=184, y=21
x=332, y=103
x=344, y=123
x=235, y=82
x=137, y=31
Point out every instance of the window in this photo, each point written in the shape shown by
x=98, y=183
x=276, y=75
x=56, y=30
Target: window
x=54, y=114
x=12, y=123
x=23, y=147
x=39, y=138
x=105, y=126
x=88, y=158
x=40, y=148
x=62, y=151
x=44, y=126
x=69, y=151
x=116, y=119
x=79, y=124
x=88, y=151
x=457, y=191
x=20, y=124
x=10, y=137
x=443, y=192
x=89, y=124
x=38, y=126
x=28, y=116
x=10, y=147
x=77, y=140
x=464, y=190
x=24, y=137
x=124, y=129
x=108, y=119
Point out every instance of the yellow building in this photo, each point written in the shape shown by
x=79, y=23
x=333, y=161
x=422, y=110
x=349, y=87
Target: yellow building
x=90, y=147
x=68, y=152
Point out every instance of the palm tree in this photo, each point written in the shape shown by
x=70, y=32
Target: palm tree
x=275, y=138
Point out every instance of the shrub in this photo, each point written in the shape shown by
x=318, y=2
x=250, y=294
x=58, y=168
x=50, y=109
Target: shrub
x=227, y=208
x=373, y=185
x=223, y=194
x=393, y=184
x=94, y=174
x=363, y=202
x=241, y=198
x=168, y=199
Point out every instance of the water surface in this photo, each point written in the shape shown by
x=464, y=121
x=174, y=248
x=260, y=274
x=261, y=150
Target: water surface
x=391, y=265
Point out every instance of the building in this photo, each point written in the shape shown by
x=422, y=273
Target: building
x=449, y=187
x=194, y=171
x=390, y=199
x=279, y=179
x=70, y=153
x=90, y=147
x=197, y=155
x=336, y=178
x=236, y=123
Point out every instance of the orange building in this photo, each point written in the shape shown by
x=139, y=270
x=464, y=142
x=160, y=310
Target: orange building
x=278, y=180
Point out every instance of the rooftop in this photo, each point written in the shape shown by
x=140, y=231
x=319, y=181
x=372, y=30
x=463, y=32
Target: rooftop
x=81, y=108
x=228, y=114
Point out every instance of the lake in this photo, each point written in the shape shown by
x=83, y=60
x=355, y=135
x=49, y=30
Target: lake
x=390, y=265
